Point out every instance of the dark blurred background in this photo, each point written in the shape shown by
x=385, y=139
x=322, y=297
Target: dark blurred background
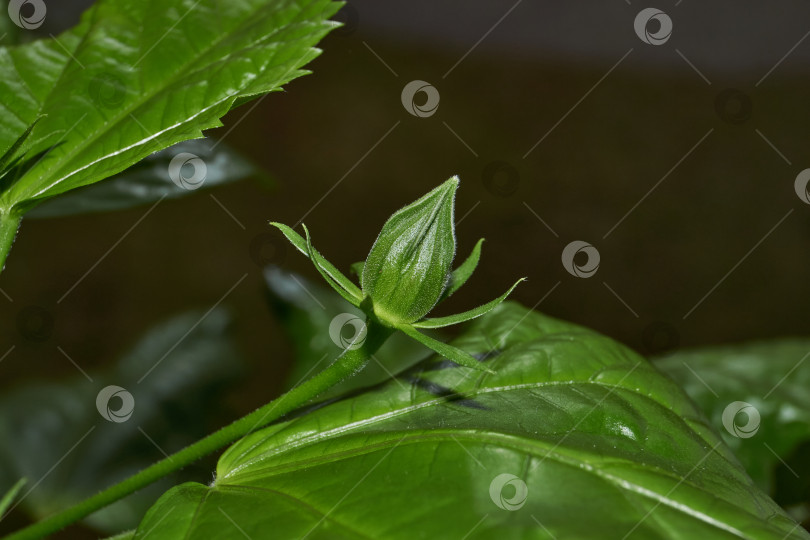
x=675, y=161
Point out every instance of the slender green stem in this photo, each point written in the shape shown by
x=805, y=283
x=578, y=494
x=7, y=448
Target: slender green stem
x=347, y=364
x=9, y=224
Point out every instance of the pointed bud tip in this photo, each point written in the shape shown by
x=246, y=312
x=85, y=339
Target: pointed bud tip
x=407, y=269
x=450, y=186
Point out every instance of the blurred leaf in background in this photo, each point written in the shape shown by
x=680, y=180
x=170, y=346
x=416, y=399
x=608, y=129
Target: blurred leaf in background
x=47, y=423
x=148, y=181
x=774, y=378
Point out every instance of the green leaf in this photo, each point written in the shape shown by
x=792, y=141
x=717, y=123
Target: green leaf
x=174, y=404
x=461, y=274
x=308, y=314
x=773, y=377
x=439, y=322
x=408, y=266
x=11, y=494
x=333, y=275
x=148, y=181
x=607, y=448
x=138, y=76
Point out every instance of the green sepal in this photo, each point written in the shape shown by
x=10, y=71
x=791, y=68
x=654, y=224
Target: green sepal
x=408, y=267
x=357, y=269
x=324, y=267
x=461, y=274
x=316, y=258
x=454, y=354
x=439, y=322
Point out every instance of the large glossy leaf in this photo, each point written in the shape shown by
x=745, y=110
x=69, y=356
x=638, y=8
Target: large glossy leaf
x=148, y=181
x=315, y=318
x=592, y=440
x=137, y=76
x=46, y=423
x=771, y=376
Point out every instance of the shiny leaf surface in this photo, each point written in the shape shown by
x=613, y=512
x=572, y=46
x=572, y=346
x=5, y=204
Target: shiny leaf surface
x=575, y=436
x=137, y=76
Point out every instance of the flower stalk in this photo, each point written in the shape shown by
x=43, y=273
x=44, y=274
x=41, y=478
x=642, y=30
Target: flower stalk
x=348, y=363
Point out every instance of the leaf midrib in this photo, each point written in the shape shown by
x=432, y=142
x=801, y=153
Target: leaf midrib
x=325, y=435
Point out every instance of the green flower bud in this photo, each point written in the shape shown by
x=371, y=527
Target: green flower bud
x=408, y=272
x=408, y=266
